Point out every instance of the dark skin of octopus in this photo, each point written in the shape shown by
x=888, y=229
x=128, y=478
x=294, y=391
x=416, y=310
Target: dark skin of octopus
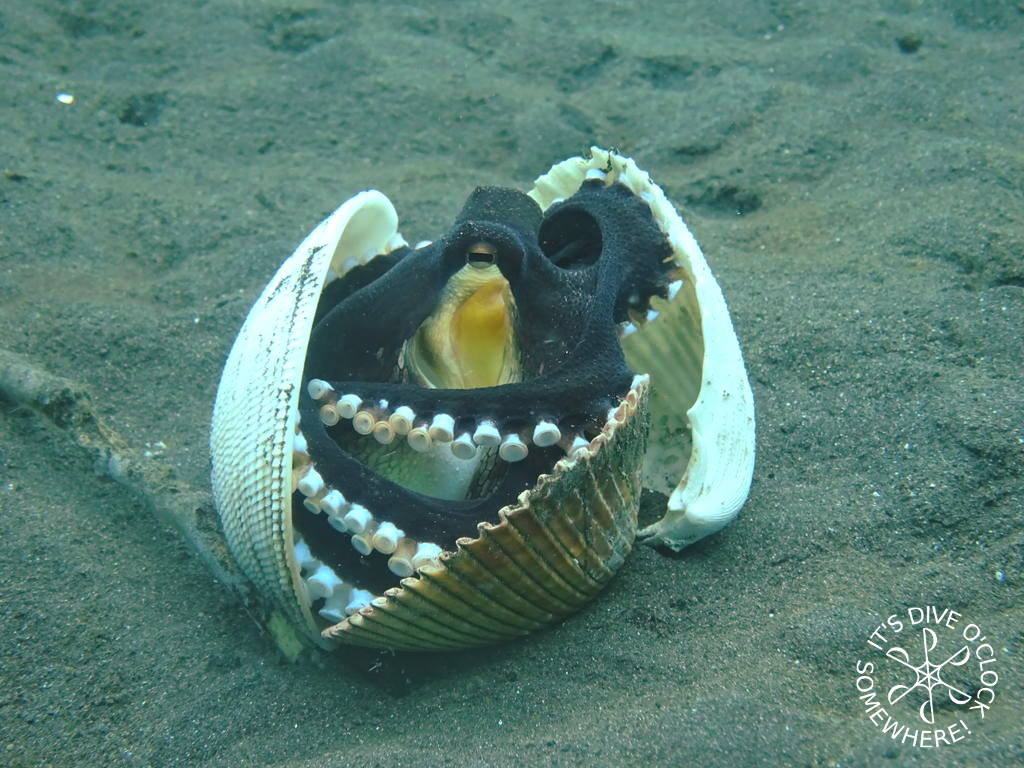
x=574, y=272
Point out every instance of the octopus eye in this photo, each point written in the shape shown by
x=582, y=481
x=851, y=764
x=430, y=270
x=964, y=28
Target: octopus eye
x=469, y=428
x=481, y=255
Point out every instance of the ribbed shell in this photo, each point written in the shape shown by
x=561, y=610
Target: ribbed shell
x=549, y=555
x=255, y=413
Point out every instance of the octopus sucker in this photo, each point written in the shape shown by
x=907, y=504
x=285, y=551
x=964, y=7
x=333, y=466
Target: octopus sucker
x=450, y=440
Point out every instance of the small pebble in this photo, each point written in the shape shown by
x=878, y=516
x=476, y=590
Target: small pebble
x=909, y=43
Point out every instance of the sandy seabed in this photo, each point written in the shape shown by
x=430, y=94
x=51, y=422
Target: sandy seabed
x=855, y=173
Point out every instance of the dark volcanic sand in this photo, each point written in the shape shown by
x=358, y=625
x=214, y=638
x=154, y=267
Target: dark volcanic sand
x=855, y=173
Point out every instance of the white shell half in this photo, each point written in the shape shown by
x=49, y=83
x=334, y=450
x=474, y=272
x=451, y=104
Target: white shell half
x=256, y=411
x=705, y=462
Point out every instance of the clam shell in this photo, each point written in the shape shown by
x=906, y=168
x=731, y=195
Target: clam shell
x=548, y=556
x=255, y=413
x=554, y=549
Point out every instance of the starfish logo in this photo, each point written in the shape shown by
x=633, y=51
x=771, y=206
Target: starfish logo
x=929, y=675
x=926, y=661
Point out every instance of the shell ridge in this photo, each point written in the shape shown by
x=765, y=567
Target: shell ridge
x=459, y=604
x=470, y=569
x=548, y=575
x=624, y=544
x=582, y=469
x=501, y=567
x=411, y=596
x=406, y=623
x=361, y=629
x=536, y=528
x=576, y=524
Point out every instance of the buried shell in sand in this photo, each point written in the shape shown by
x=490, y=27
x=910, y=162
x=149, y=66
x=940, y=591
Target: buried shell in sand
x=444, y=446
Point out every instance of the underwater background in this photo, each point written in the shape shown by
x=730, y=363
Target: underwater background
x=855, y=174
